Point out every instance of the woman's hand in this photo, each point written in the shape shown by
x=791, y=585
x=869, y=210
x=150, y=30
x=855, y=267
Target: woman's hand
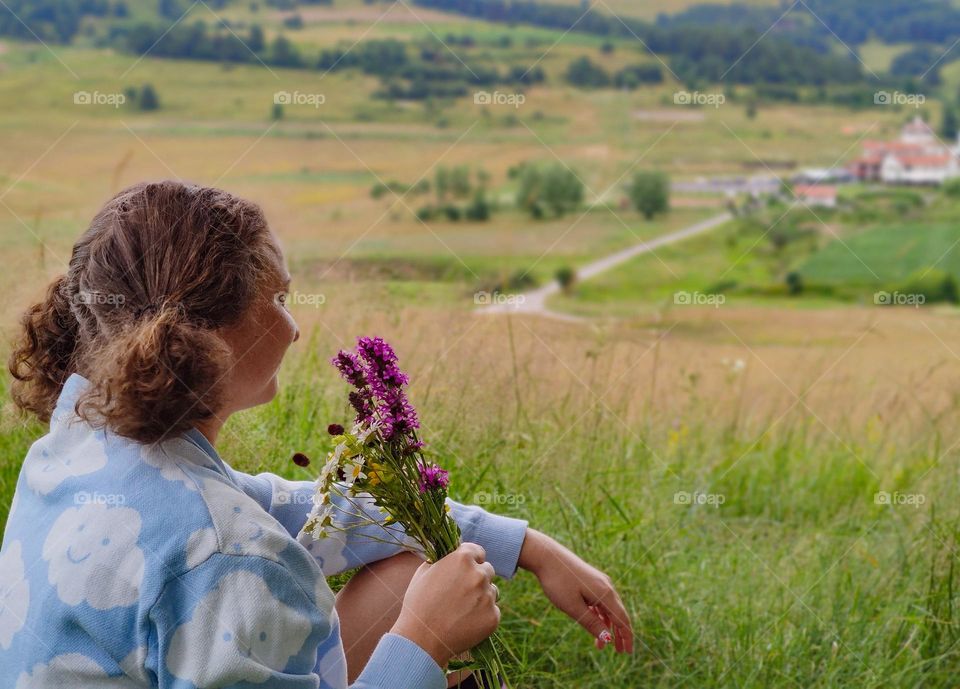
x=451, y=605
x=581, y=591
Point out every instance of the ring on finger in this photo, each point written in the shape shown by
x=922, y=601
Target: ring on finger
x=496, y=592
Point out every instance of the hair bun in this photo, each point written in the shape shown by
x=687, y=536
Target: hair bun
x=165, y=375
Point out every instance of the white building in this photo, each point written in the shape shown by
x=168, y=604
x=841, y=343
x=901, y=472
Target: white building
x=918, y=157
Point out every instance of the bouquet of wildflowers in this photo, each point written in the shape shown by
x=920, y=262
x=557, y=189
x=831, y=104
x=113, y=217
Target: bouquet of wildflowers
x=382, y=458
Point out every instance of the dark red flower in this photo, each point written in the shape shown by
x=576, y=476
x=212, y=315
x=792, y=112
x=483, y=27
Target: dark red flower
x=300, y=459
x=335, y=429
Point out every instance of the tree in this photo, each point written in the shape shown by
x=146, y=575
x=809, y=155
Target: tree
x=650, y=193
x=950, y=125
x=584, y=73
x=256, y=41
x=148, y=99
x=552, y=188
x=479, y=208
x=283, y=53
x=566, y=277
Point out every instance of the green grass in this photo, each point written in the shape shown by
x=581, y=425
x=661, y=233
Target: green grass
x=797, y=579
x=885, y=254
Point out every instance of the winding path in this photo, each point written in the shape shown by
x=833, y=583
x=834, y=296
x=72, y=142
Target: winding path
x=535, y=301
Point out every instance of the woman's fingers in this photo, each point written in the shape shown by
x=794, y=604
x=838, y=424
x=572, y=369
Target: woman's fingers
x=616, y=612
x=611, y=611
x=589, y=618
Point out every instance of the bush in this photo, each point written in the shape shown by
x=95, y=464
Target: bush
x=148, y=99
x=479, y=208
x=650, y=193
x=584, y=73
x=933, y=284
x=951, y=188
x=554, y=188
x=794, y=283
x=566, y=277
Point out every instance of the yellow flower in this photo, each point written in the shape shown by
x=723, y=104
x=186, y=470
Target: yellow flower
x=378, y=474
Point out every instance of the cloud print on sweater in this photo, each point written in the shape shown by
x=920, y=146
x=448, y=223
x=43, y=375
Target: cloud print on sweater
x=70, y=450
x=93, y=556
x=72, y=670
x=240, y=643
x=14, y=593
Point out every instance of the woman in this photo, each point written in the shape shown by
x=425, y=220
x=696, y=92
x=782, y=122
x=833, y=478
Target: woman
x=134, y=556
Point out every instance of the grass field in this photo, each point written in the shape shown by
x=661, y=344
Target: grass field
x=618, y=434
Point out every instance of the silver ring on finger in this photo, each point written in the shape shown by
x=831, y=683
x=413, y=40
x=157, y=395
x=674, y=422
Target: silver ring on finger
x=496, y=592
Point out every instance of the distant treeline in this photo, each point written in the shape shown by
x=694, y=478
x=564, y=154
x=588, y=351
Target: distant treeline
x=697, y=53
x=51, y=20
x=852, y=21
x=406, y=70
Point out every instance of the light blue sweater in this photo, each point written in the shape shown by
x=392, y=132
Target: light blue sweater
x=125, y=565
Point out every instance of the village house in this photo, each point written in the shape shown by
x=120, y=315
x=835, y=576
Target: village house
x=918, y=157
x=816, y=195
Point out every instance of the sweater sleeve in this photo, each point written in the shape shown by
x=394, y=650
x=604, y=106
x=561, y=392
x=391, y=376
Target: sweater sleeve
x=289, y=502
x=399, y=663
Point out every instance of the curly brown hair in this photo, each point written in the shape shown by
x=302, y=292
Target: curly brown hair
x=162, y=268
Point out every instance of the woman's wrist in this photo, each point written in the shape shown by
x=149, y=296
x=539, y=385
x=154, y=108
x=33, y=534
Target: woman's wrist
x=414, y=631
x=533, y=551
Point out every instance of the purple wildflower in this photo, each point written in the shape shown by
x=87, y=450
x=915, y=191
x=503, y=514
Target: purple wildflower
x=433, y=477
x=382, y=372
x=350, y=368
x=362, y=403
x=399, y=416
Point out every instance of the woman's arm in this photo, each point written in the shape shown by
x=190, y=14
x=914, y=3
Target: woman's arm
x=368, y=539
x=580, y=590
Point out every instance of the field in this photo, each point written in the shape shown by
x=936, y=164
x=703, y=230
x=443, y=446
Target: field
x=771, y=481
